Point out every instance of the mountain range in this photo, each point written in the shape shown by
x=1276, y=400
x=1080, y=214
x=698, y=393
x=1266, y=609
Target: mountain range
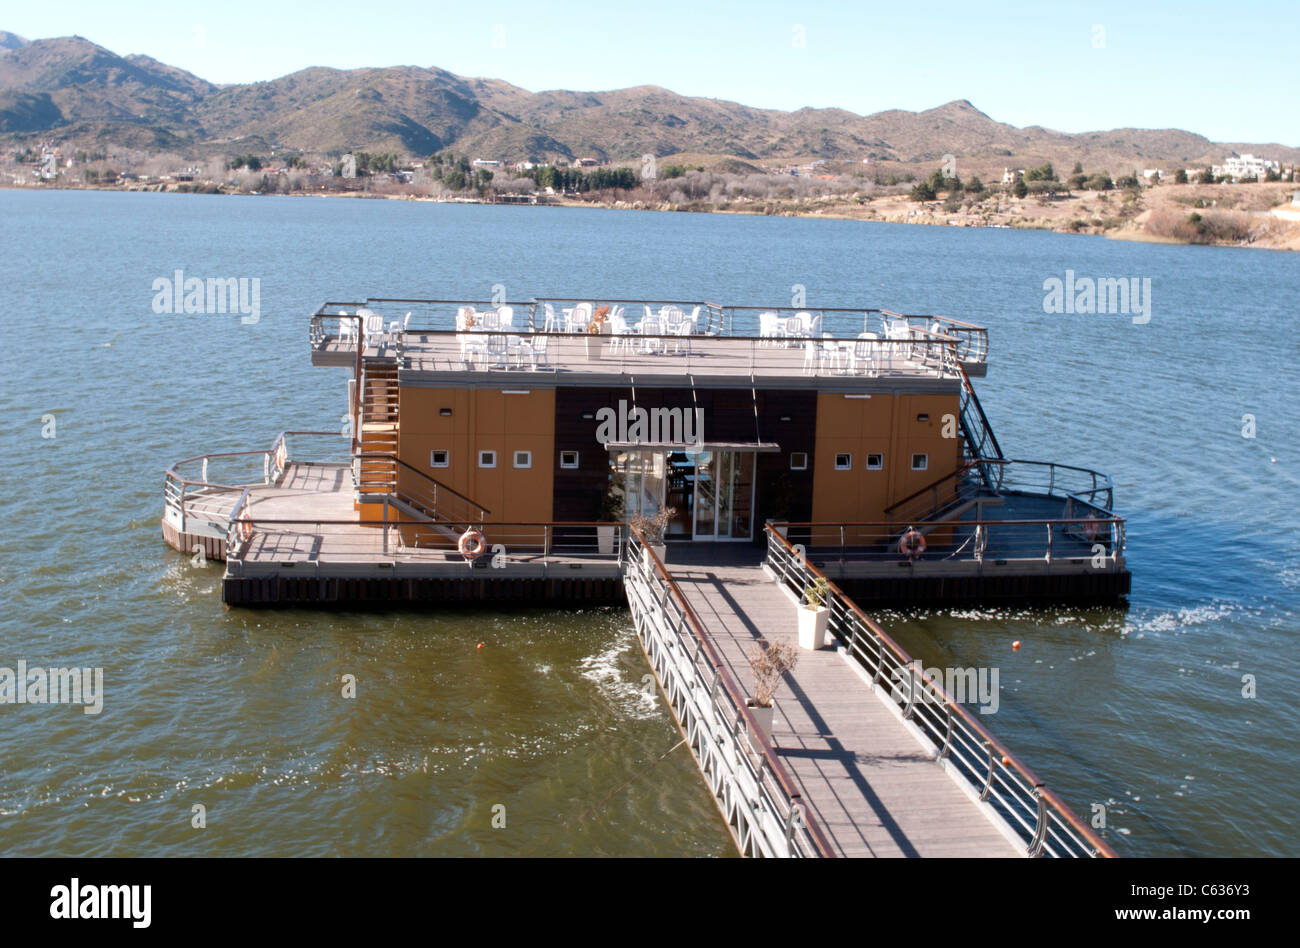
x=84, y=95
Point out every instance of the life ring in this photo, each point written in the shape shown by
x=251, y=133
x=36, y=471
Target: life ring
x=280, y=457
x=471, y=544
x=911, y=544
x=245, y=528
x=1091, y=526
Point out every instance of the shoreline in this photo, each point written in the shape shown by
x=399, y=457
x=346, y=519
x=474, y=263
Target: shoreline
x=1281, y=233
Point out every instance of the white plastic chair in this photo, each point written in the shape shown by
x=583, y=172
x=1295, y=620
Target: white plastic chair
x=507, y=316
x=863, y=354
x=651, y=327
x=579, y=318
x=769, y=327
x=552, y=319
x=619, y=330
x=536, y=351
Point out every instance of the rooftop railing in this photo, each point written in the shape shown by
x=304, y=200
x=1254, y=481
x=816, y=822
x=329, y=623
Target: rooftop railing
x=926, y=337
x=1041, y=820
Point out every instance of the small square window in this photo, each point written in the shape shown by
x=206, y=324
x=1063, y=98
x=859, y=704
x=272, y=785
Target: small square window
x=798, y=460
x=487, y=459
x=439, y=458
x=920, y=462
x=875, y=462
x=843, y=462
x=569, y=459
x=523, y=459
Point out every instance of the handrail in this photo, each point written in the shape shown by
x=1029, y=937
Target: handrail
x=176, y=487
x=1009, y=761
x=731, y=687
x=964, y=469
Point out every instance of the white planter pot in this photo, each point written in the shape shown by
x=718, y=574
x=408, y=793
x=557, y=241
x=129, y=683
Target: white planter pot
x=605, y=539
x=812, y=627
x=764, y=718
x=661, y=550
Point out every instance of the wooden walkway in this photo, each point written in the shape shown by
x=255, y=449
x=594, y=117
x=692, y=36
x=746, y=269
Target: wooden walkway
x=868, y=780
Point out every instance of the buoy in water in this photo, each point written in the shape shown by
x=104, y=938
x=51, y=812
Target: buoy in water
x=1015, y=646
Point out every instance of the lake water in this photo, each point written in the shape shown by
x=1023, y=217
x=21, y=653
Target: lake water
x=1140, y=710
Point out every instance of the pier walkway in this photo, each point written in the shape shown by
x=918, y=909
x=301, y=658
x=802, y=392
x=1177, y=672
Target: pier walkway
x=867, y=757
x=873, y=786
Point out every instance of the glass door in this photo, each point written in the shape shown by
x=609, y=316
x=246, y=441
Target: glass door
x=724, y=495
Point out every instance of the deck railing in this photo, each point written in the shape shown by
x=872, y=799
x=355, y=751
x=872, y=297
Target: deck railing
x=1095, y=541
x=1083, y=490
x=396, y=539
x=990, y=772
x=760, y=800
x=196, y=479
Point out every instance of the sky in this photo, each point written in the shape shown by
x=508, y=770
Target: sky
x=1222, y=70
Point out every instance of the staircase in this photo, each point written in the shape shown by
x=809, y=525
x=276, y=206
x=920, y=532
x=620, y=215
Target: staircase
x=978, y=440
x=377, y=469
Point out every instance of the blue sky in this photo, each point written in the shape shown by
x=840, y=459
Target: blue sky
x=1222, y=70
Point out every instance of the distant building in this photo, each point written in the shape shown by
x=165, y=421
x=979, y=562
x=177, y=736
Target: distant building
x=1295, y=198
x=587, y=163
x=486, y=163
x=1009, y=176
x=1246, y=166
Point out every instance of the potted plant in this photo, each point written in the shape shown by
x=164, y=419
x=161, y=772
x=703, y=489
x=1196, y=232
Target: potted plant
x=610, y=513
x=814, y=615
x=653, y=528
x=770, y=665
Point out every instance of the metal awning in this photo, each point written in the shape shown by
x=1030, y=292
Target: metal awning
x=759, y=447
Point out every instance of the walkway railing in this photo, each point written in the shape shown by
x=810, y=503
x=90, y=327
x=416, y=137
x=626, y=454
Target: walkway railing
x=760, y=800
x=984, y=765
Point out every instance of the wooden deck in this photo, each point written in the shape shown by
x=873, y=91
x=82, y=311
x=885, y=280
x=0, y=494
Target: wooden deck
x=872, y=785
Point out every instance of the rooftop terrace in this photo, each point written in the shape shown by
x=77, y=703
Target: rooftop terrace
x=604, y=341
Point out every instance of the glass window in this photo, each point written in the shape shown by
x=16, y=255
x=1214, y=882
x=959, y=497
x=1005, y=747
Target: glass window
x=487, y=459
x=523, y=459
x=843, y=462
x=568, y=459
x=875, y=462
x=798, y=460
x=439, y=458
x=920, y=462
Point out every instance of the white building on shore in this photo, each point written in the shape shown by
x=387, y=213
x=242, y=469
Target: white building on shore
x=1246, y=166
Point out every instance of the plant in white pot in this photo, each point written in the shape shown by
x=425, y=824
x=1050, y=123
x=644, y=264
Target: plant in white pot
x=814, y=615
x=610, y=514
x=653, y=528
x=770, y=665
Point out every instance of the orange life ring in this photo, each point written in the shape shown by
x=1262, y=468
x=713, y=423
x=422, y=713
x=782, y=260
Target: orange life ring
x=1091, y=526
x=911, y=544
x=471, y=544
x=245, y=528
x=280, y=456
